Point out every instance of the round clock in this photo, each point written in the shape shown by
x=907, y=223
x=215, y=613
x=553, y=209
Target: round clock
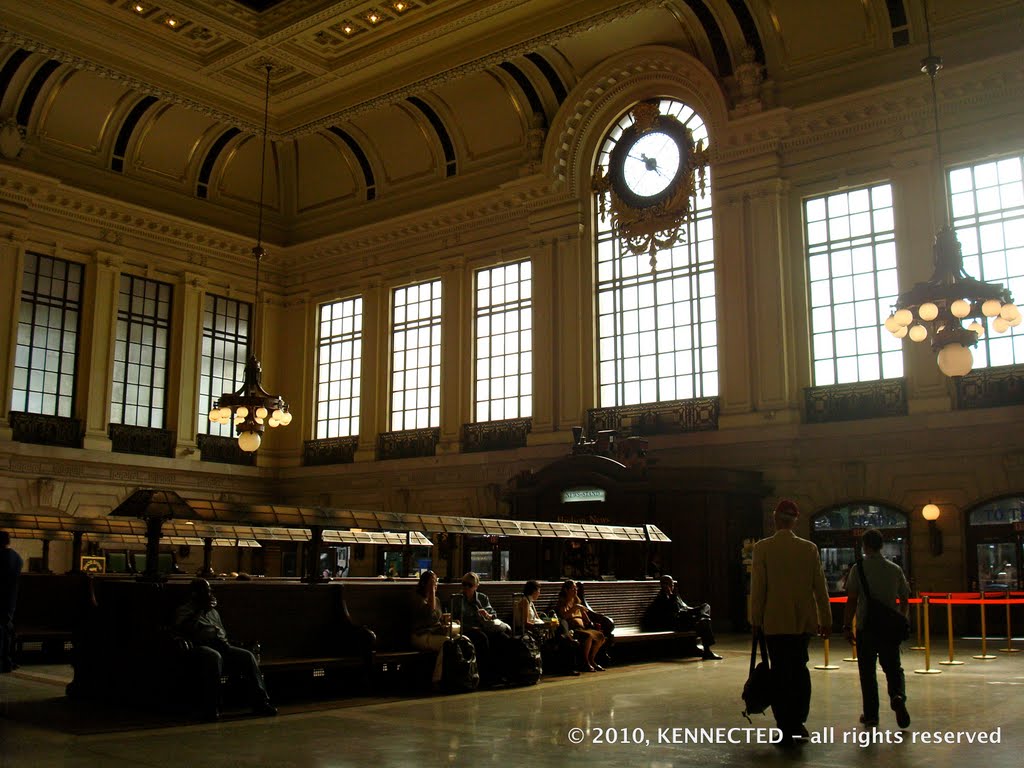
x=646, y=167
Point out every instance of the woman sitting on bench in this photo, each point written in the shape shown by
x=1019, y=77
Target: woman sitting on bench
x=573, y=612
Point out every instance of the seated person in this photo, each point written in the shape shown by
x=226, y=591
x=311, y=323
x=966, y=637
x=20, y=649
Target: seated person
x=428, y=633
x=480, y=623
x=557, y=646
x=528, y=615
x=198, y=621
x=668, y=613
x=572, y=611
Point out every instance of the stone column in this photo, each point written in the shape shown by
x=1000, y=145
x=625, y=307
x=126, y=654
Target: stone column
x=456, y=373
x=373, y=381
x=99, y=325
x=183, y=376
x=12, y=266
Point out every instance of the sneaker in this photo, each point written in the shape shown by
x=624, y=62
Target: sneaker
x=899, y=706
x=869, y=722
x=266, y=709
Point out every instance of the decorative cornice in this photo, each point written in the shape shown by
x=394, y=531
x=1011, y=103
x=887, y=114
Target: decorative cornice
x=130, y=81
x=473, y=67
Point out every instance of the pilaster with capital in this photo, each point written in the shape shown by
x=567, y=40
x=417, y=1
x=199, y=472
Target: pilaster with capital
x=456, y=364
x=99, y=326
x=918, y=207
x=373, y=380
x=184, y=410
x=287, y=351
x=773, y=297
x=12, y=264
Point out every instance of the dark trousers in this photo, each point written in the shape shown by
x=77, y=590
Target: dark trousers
x=6, y=644
x=888, y=655
x=231, y=661
x=791, y=681
x=492, y=650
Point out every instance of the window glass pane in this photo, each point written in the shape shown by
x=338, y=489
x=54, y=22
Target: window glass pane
x=47, y=351
x=338, y=381
x=416, y=373
x=853, y=274
x=988, y=217
x=222, y=364
x=656, y=328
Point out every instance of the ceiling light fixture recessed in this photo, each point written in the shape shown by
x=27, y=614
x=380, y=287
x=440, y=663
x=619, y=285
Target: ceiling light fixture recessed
x=373, y=17
x=347, y=29
x=171, y=21
x=139, y=8
x=400, y=6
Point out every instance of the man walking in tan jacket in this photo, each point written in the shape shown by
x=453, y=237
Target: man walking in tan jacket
x=789, y=603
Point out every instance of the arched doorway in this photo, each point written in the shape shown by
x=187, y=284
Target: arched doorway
x=837, y=533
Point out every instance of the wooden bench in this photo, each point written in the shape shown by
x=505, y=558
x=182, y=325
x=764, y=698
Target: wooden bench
x=309, y=646
x=45, y=615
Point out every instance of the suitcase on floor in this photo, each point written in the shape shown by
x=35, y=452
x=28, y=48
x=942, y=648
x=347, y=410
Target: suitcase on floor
x=459, y=671
x=523, y=664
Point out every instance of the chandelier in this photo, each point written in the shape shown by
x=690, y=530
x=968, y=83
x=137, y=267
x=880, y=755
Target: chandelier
x=251, y=408
x=938, y=308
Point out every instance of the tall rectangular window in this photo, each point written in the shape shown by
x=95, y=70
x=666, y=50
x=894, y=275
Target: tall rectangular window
x=225, y=350
x=851, y=268
x=504, y=342
x=657, y=326
x=988, y=216
x=339, y=352
x=47, y=349
x=416, y=357
x=141, y=349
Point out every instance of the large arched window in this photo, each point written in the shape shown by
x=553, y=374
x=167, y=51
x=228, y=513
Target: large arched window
x=657, y=333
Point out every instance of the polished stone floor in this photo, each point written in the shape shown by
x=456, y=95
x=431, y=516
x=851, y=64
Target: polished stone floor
x=635, y=705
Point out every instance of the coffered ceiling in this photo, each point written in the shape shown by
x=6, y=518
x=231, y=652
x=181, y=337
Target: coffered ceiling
x=383, y=107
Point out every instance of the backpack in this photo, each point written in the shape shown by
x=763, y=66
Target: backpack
x=459, y=669
x=757, y=691
x=522, y=660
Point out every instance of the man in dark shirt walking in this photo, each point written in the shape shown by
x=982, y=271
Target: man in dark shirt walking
x=887, y=584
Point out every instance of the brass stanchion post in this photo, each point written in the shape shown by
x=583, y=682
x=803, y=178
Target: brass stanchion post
x=927, y=644
x=853, y=628
x=1009, y=631
x=984, y=655
x=919, y=646
x=949, y=629
x=826, y=665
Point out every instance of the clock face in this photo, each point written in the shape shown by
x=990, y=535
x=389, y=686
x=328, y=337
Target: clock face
x=650, y=164
x=646, y=168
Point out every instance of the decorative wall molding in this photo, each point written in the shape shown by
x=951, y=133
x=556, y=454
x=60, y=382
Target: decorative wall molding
x=495, y=435
x=667, y=418
x=143, y=441
x=42, y=429
x=333, y=450
x=408, y=444
x=990, y=388
x=856, y=401
x=223, y=450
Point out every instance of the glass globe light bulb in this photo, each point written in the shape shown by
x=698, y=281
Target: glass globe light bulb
x=918, y=333
x=927, y=312
x=890, y=324
x=215, y=415
x=960, y=308
x=1009, y=312
x=272, y=422
x=930, y=512
x=1001, y=324
x=900, y=332
x=249, y=441
x=261, y=412
x=991, y=307
x=904, y=317
x=242, y=411
x=978, y=328
x=286, y=418
x=225, y=412
x=955, y=360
